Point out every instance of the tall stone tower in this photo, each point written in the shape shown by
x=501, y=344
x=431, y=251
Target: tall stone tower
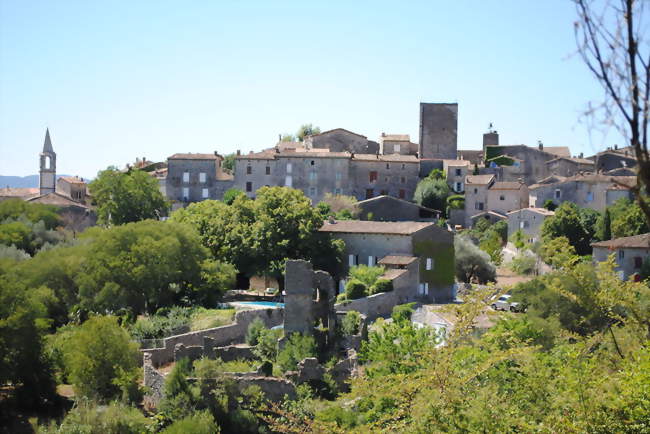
x=48, y=166
x=438, y=130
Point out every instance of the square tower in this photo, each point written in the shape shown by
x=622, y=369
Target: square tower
x=438, y=130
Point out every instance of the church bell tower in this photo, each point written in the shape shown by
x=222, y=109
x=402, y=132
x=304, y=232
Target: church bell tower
x=48, y=166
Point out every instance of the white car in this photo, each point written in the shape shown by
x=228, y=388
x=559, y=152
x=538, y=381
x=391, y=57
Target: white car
x=504, y=303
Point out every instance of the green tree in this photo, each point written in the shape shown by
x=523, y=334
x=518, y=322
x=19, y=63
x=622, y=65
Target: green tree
x=355, y=289
x=89, y=418
x=306, y=130
x=567, y=223
x=604, y=226
x=436, y=174
x=297, y=348
x=475, y=171
x=13, y=209
x=550, y=205
x=351, y=323
x=365, y=274
x=124, y=197
x=558, y=253
x=231, y=194
x=97, y=355
x=228, y=163
x=589, y=221
x=491, y=244
x=254, y=331
x=629, y=222
x=472, y=263
x=518, y=239
x=432, y=193
x=200, y=422
x=23, y=321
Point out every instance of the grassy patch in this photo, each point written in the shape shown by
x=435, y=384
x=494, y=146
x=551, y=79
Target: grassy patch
x=209, y=318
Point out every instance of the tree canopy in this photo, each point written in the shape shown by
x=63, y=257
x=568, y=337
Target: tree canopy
x=125, y=197
x=567, y=223
x=432, y=193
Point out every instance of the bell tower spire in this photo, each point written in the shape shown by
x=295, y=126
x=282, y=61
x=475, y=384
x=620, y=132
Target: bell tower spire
x=48, y=166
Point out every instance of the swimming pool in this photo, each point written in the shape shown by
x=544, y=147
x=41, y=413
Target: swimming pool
x=259, y=303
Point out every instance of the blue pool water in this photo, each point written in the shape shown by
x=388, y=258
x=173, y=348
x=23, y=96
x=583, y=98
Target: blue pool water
x=262, y=303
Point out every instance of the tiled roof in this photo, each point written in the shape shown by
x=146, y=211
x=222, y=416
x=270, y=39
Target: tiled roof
x=370, y=227
x=572, y=160
x=18, y=192
x=493, y=213
x=507, y=185
x=191, y=156
x=389, y=198
x=395, y=158
x=337, y=129
x=479, y=179
x=635, y=242
x=393, y=273
x=56, y=199
x=542, y=211
x=454, y=163
x=73, y=179
x=396, y=138
x=397, y=260
x=560, y=151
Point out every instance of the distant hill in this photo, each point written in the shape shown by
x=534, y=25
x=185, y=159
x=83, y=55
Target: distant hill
x=30, y=181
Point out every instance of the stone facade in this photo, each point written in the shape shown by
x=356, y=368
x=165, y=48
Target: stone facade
x=629, y=253
x=341, y=140
x=397, y=144
x=529, y=221
x=484, y=195
x=73, y=187
x=438, y=130
x=392, y=209
x=612, y=159
x=456, y=171
x=47, y=178
x=530, y=162
x=593, y=191
x=195, y=177
x=366, y=242
x=563, y=166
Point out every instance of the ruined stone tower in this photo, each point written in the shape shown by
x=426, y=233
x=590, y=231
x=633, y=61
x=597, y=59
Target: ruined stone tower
x=438, y=130
x=48, y=166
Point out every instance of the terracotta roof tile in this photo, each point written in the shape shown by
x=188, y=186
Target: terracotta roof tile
x=370, y=227
x=636, y=242
x=397, y=260
x=191, y=156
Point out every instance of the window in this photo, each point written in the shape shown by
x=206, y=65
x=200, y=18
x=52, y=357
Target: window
x=371, y=261
x=403, y=166
x=475, y=190
x=288, y=181
x=338, y=191
x=502, y=197
x=621, y=254
x=186, y=176
x=338, y=176
x=558, y=193
x=459, y=186
x=289, y=167
x=204, y=193
x=590, y=196
x=351, y=262
x=249, y=170
x=387, y=166
x=313, y=162
x=459, y=172
x=423, y=289
x=369, y=193
x=402, y=194
x=202, y=177
x=402, y=179
x=383, y=192
x=638, y=261
x=312, y=191
x=478, y=206
x=429, y=264
x=186, y=194
x=397, y=149
x=268, y=170
x=249, y=186
x=372, y=176
x=312, y=176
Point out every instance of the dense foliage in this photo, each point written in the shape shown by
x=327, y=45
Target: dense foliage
x=124, y=197
x=432, y=193
x=472, y=263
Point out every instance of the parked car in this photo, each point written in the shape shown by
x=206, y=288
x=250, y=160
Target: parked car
x=504, y=303
x=271, y=291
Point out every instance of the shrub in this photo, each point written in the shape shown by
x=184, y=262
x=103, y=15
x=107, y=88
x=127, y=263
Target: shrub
x=366, y=275
x=523, y=263
x=88, y=418
x=382, y=285
x=255, y=328
x=355, y=289
x=472, y=263
x=200, y=422
x=297, y=348
x=267, y=344
x=351, y=322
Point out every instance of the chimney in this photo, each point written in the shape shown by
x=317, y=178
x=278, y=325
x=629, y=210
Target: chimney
x=238, y=152
x=279, y=137
x=540, y=145
x=331, y=220
x=582, y=155
x=615, y=147
x=383, y=134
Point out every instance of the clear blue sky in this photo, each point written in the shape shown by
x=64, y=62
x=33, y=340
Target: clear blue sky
x=121, y=79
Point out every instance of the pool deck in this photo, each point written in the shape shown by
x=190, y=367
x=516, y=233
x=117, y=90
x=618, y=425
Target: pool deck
x=254, y=305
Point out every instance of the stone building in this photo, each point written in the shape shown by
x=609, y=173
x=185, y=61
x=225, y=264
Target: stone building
x=564, y=166
x=72, y=186
x=438, y=130
x=629, y=253
x=529, y=221
x=614, y=158
x=317, y=172
x=393, y=209
x=485, y=197
x=595, y=191
x=341, y=140
x=397, y=144
x=456, y=171
x=528, y=162
x=47, y=173
x=367, y=242
x=195, y=177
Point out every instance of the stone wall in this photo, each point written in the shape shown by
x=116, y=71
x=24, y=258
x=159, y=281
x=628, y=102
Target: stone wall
x=373, y=306
x=222, y=336
x=438, y=130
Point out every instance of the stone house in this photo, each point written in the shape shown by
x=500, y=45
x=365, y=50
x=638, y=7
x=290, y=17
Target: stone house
x=393, y=209
x=456, y=171
x=476, y=195
x=503, y=197
x=595, y=191
x=341, y=140
x=368, y=242
x=629, y=253
x=195, y=177
x=614, y=158
x=564, y=166
x=438, y=130
x=73, y=187
x=532, y=161
x=397, y=144
x=529, y=221
x=487, y=198
x=317, y=172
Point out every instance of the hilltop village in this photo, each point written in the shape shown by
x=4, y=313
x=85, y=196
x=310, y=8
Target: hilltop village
x=271, y=290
